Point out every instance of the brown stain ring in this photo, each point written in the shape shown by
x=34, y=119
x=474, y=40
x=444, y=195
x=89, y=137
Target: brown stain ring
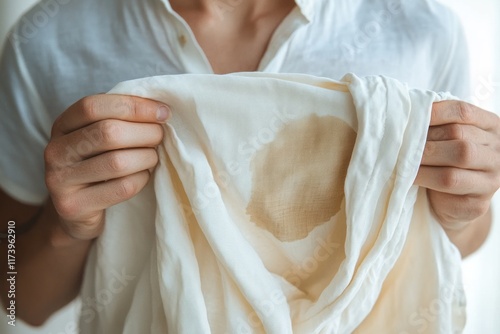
x=298, y=178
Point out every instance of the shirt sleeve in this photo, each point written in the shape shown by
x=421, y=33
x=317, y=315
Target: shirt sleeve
x=452, y=71
x=24, y=128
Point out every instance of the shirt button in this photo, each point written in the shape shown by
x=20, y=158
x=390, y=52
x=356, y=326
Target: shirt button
x=182, y=40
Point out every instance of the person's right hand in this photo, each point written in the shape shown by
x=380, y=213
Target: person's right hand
x=100, y=153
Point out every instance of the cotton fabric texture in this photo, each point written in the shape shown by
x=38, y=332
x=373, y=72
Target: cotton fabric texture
x=89, y=46
x=281, y=204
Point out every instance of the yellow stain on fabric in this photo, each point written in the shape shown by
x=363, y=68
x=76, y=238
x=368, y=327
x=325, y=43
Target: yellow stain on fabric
x=298, y=178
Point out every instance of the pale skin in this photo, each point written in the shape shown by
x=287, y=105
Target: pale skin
x=459, y=167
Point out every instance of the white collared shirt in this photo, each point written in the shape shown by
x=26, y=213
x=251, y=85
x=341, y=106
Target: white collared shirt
x=63, y=50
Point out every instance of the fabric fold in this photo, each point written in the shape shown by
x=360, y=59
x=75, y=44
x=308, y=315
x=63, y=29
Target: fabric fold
x=282, y=203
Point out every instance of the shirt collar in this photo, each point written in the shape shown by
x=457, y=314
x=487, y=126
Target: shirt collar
x=306, y=7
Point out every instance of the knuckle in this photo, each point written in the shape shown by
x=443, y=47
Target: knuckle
x=450, y=179
x=118, y=162
x=110, y=131
x=465, y=112
x=55, y=126
x=133, y=106
x=53, y=179
x=66, y=207
x=429, y=148
x=54, y=167
x=89, y=107
x=50, y=153
x=127, y=188
x=125, y=106
x=455, y=132
x=466, y=152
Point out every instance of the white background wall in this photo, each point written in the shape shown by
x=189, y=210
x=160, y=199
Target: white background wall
x=482, y=270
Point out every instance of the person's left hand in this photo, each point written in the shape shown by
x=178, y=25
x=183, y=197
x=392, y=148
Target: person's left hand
x=461, y=162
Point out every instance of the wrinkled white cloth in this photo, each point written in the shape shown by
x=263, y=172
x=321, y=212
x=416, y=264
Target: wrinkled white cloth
x=281, y=203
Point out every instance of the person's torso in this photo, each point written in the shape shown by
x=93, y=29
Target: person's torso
x=87, y=47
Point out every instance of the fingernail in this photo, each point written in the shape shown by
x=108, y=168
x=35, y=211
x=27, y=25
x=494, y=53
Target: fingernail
x=163, y=113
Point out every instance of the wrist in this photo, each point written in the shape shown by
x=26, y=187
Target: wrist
x=59, y=238
x=57, y=233
x=468, y=237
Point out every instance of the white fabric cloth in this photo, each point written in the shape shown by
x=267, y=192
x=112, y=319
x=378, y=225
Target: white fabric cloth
x=281, y=203
x=62, y=50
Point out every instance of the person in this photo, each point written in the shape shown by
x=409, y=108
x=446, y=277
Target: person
x=63, y=163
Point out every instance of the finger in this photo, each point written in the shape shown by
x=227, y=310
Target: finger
x=447, y=112
x=111, y=165
x=456, y=181
x=460, y=132
x=459, y=153
x=103, y=195
x=455, y=209
x=99, y=107
x=105, y=136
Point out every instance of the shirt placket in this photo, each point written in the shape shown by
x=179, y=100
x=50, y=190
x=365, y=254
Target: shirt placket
x=276, y=51
x=192, y=58
x=189, y=53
